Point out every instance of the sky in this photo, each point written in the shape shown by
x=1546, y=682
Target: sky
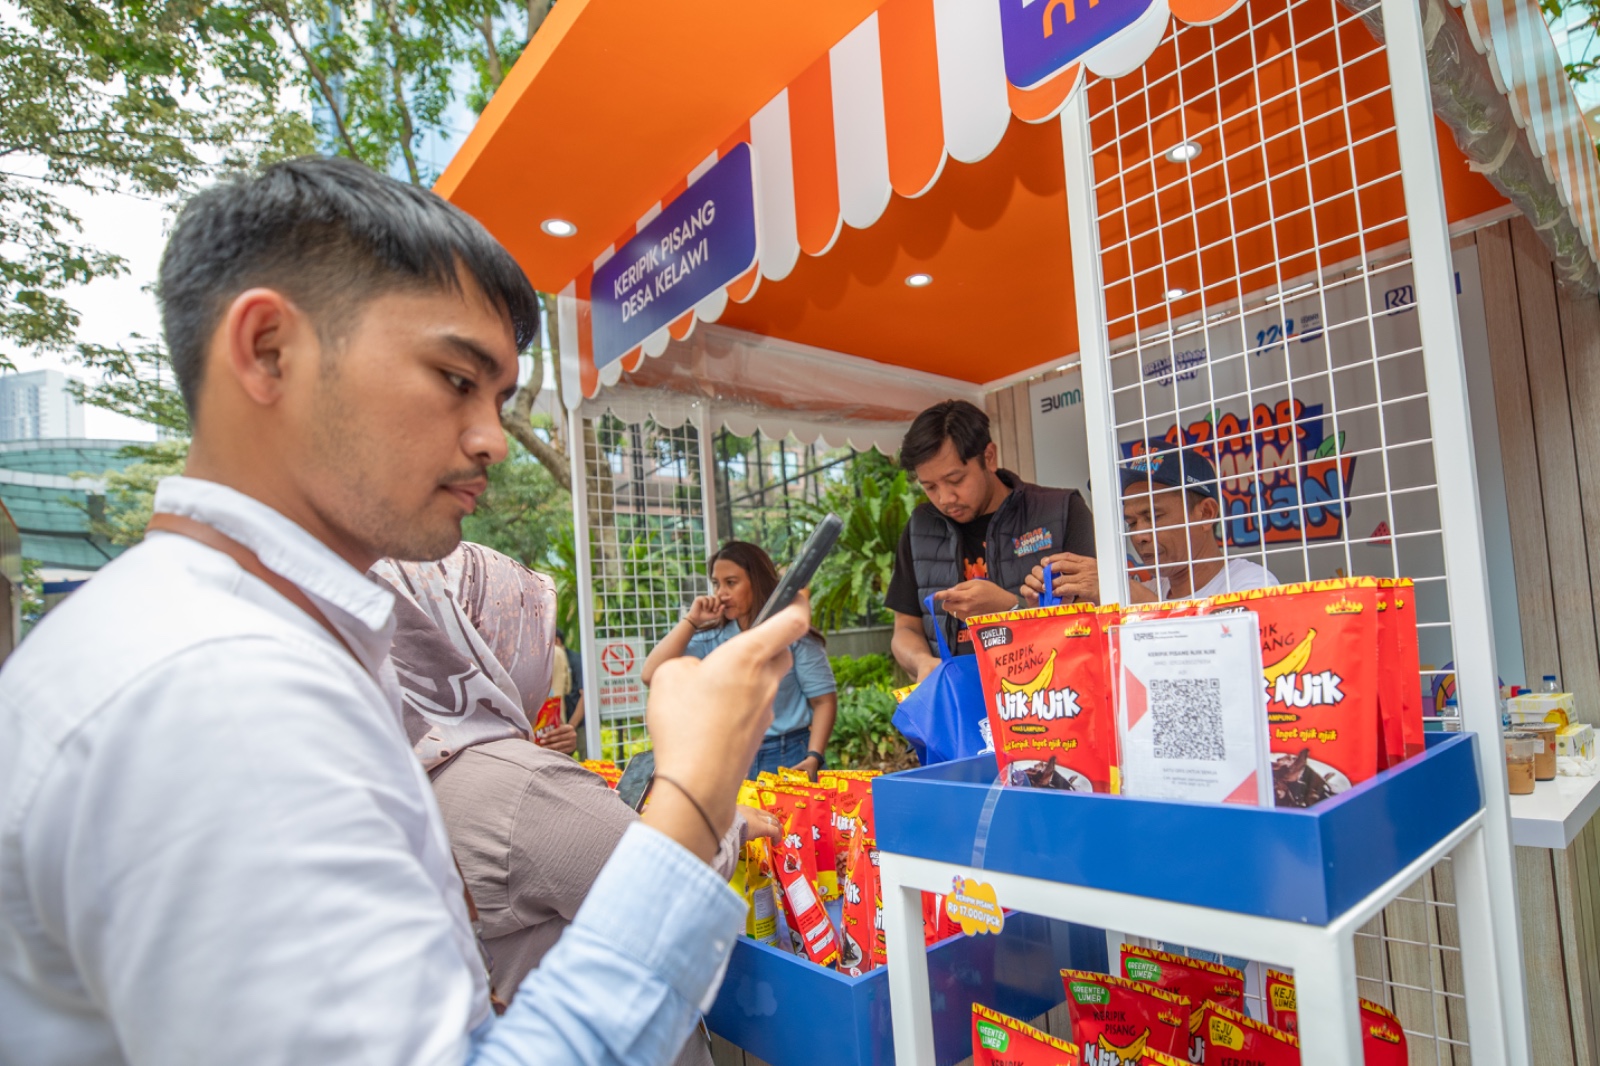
x=113, y=308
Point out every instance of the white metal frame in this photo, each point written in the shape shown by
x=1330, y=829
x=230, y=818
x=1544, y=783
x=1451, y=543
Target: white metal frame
x=1321, y=957
x=1466, y=567
x=580, y=539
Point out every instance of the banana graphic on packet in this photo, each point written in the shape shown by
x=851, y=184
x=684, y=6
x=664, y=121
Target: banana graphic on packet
x=1040, y=682
x=1293, y=662
x=1130, y=1054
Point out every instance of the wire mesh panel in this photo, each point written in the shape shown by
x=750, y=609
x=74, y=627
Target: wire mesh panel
x=647, y=551
x=1260, y=315
x=1260, y=307
x=763, y=484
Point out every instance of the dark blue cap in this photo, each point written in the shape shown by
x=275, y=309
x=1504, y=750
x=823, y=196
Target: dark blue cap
x=1173, y=468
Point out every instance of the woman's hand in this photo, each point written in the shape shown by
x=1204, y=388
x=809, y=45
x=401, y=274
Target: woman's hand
x=562, y=738
x=808, y=766
x=758, y=823
x=704, y=611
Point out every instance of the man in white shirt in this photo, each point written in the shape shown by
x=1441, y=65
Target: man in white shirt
x=216, y=845
x=1171, y=506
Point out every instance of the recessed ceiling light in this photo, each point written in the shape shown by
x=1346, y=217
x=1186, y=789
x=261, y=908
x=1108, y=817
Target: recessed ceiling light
x=1175, y=292
x=1182, y=153
x=558, y=227
x=917, y=281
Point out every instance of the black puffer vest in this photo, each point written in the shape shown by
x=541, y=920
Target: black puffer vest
x=1030, y=523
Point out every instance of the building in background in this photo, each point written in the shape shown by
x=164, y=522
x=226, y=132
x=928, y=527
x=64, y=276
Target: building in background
x=53, y=508
x=38, y=406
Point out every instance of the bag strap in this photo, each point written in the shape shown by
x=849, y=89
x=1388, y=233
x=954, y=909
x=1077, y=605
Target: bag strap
x=938, y=630
x=251, y=563
x=213, y=538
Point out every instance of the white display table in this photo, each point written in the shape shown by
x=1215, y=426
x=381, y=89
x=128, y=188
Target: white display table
x=1555, y=813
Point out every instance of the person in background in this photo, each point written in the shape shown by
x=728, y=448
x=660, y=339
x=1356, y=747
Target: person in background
x=574, y=692
x=530, y=828
x=1171, y=505
x=218, y=845
x=742, y=578
x=973, y=541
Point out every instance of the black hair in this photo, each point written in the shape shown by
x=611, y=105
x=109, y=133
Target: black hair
x=961, y=423
x=330, y=234
x=758, y=567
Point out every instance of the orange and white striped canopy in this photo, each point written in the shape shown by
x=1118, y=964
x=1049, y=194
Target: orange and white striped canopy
x=894, y=144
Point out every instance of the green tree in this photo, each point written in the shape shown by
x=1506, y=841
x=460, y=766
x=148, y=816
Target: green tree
x=875, y=501
x=102, y=95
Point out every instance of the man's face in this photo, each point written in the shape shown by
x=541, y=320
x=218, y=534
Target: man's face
x=961, y=491
x=403, y=420
x=1165, y=527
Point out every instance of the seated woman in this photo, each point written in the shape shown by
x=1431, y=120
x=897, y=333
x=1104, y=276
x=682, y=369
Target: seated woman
x=529, y=826
x=742, y=578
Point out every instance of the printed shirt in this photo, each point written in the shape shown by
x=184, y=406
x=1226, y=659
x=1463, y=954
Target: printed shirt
x=1240, y=575
x=811, y=676
x=216, y=845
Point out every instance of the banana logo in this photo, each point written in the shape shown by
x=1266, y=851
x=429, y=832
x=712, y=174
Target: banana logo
x=1040, y=682
x=1293, y=662
x=1130, y=1053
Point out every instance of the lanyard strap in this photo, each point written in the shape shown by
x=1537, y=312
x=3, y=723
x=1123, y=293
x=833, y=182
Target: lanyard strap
x=214, y=538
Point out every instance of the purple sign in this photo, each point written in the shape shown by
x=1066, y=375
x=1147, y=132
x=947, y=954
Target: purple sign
x=698, y=243
x=1044, y=37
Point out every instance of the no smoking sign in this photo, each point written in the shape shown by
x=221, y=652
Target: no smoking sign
x=617, y=659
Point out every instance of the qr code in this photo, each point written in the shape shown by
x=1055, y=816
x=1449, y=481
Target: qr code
x=1187, y=717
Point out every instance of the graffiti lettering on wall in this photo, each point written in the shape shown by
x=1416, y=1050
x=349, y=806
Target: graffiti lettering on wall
x=1160, y=370
x=1282, y=476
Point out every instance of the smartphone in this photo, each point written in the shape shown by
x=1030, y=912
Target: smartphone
x=636, y=780
x=804, y=568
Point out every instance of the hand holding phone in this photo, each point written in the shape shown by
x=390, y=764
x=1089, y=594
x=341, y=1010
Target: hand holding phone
x=804, y=568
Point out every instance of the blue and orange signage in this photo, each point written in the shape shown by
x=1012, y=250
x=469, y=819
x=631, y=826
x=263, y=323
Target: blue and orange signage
x=699, y=242
x=1044, y=37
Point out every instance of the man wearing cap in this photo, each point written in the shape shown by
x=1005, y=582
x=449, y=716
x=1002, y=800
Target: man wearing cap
x=1171, y=507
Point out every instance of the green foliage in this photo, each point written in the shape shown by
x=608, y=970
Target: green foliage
x=100, y=95
x=875, y=501
x=864, y=738
x=134, y=380
x=131, y=491
x=863, y=671
x=1582, y=69
x=32, y=589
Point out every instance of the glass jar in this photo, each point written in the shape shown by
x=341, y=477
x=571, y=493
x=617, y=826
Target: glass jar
x=1544, y=760
x=1521, y=749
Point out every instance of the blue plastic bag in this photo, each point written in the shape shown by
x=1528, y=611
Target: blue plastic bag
x=944, y=718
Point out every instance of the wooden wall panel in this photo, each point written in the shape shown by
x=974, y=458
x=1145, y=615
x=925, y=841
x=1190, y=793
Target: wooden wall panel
x=1518, y=454
x=1549, y=1018
x=1558, y=467
x=991, y=404
x=1022, y=414
x=1580, y=342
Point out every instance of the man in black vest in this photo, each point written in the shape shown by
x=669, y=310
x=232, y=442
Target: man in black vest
x=975, y=539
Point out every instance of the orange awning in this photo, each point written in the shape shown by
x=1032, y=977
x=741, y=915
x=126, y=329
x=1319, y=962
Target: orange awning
x=863, y=168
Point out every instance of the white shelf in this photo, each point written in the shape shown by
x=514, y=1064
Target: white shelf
x=1555, y=812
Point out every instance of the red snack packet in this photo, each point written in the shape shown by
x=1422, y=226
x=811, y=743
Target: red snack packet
x=1408, y=666
x=1383, y=1042
x=1044, y=676
x=1196, y=980
x=852, y=808
x=1001, y=1040
x=548, y=718
x=822, y=834
x=880, y=947
x=936, y=925
x=1116, y=1020
x=1320, y=650
x=1391, y=744
x=605, y=769
x=794, y=868
x=859, y=925
x=1281, y=1008
x=1236, y=1040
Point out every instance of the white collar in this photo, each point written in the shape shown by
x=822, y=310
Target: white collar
x=286, y=549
